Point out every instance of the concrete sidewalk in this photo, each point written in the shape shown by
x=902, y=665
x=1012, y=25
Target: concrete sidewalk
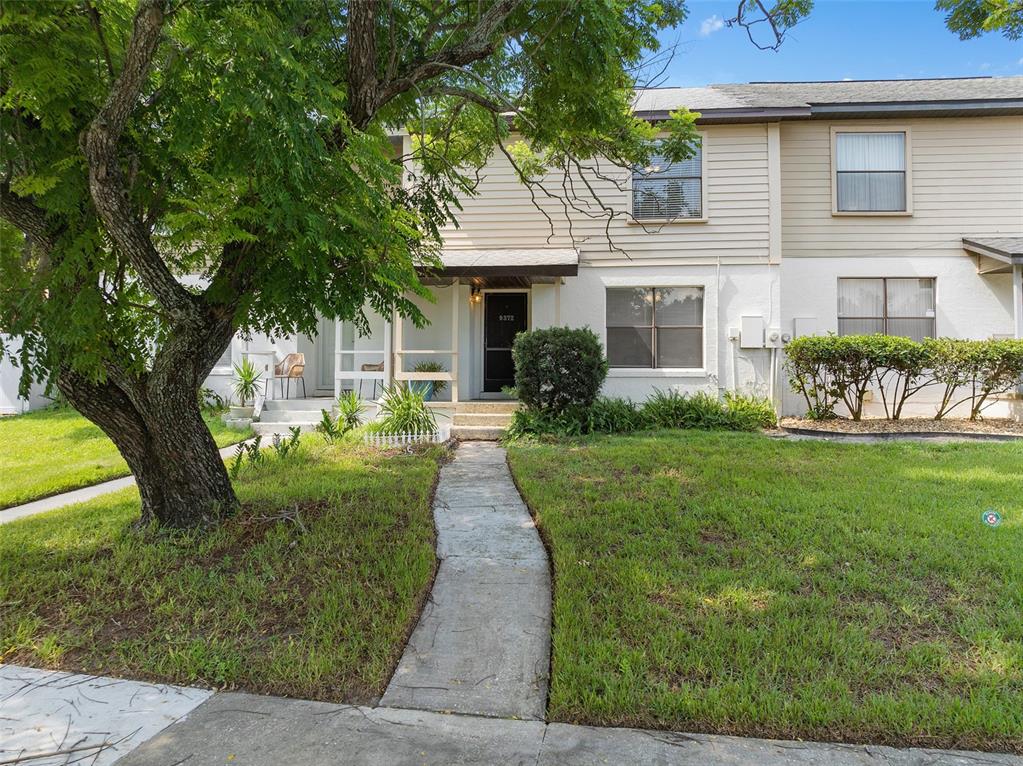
x=76, y=496
x=482, y=645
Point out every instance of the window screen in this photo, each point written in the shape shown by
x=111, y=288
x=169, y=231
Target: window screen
x=655, y=327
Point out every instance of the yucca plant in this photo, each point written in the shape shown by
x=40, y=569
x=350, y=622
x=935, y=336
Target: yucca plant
x=404, y=411
x=350, y=409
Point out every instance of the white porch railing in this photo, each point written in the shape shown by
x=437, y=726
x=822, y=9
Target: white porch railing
x=448, y=376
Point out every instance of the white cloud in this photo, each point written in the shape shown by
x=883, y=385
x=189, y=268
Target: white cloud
x=709, y=26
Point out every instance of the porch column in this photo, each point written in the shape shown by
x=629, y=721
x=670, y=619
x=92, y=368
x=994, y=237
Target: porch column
x=455, y=305
x=1017, y=298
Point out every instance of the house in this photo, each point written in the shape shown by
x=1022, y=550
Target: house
x=892, y=206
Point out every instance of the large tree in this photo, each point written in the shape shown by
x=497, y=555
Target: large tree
x=248, y=142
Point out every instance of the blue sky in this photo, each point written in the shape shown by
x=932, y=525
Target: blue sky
x=842, y=39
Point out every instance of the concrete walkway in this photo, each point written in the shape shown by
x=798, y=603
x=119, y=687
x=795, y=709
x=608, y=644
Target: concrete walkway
x=49, y=718
x=482, y=645
x=76, y=496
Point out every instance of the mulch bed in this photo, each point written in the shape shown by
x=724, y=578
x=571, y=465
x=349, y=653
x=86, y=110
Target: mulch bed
x=988, y=427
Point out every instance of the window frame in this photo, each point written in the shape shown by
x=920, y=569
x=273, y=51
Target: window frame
x=704, y=217
x=884, y=304
x=907, y=147
x=225, y=369
x=653, y=327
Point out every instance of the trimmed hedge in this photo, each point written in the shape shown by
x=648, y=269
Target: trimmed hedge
x=828, y=369
x=558, y=368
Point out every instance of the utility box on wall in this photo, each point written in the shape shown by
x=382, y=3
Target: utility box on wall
x=751, y=332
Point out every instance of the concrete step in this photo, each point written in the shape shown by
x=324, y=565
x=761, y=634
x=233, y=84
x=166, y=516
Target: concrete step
x=313, y=404
x=481, y=419
x=477, y=433
x=292, y=416
x=266, y=429
x=487, y=408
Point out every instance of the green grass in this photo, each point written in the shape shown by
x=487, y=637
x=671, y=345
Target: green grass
x=738, y=584
x=317, y=605
x=56, y=450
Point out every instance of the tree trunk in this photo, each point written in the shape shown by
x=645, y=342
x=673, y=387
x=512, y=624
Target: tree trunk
x=181, y=477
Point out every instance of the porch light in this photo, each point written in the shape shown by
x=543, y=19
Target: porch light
x=475, y=296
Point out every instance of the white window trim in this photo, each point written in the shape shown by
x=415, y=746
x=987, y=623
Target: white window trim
x=671, y=221
x=835, y=129
x=709, y=328
x=225, y=369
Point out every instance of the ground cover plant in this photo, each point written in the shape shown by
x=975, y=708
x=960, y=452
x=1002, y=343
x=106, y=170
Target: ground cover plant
x=56, y=450
x=741, y=584
x=309, y=591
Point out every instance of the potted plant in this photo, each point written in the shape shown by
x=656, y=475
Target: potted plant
x=429, y=387
x=246, y=386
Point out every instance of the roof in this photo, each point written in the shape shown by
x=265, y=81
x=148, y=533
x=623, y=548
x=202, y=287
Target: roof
x=739, y=102
x=1008, y=249
x=542, y=261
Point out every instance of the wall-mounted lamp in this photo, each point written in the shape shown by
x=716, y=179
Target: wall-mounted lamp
x=475, y=296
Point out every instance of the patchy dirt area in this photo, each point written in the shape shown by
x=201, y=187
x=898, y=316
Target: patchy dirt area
x=999, y=426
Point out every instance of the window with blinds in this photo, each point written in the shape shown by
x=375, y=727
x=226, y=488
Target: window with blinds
x=655, y=327
x=870, y=172
x=665, y=190
x=902, y=306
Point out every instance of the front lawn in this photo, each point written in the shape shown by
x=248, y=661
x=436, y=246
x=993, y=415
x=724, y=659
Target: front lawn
x=56, y=450
x=310, y=591
x=739, y=584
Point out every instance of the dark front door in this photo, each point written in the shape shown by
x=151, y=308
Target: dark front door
x=504, y=317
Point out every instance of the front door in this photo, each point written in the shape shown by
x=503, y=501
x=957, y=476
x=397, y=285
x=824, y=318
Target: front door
x=504, y=317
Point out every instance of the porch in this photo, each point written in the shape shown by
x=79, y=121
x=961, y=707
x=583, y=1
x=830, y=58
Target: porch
x=462, y=355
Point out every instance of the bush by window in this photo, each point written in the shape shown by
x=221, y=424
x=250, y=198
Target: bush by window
x=655, y=327
x=557, y=368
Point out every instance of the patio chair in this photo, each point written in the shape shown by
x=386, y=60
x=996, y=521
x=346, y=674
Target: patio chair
x=292, y=367
x=378, y=367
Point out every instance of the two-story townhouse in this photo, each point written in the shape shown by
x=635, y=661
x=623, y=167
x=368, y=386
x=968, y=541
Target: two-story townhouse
x=889, y=206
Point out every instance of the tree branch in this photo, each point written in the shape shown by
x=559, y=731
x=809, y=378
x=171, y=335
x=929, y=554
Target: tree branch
x=106, y=181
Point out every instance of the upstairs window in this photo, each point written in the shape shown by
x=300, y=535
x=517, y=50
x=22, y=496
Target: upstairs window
x=903, y=306
x=665, y=190
x=870, y=172
x=655, y=327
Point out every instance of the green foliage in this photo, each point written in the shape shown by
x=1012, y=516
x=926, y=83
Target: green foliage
x=435, y=386
x=350, y=410
x=284, y=446
x=404, y=411
x=609, y=415
x=558, y=368
x=736, y=412
x=330, y=429
x=247, y=378
x=973, y=18
x=210, y=402
x=828, y=369
x=984, y=368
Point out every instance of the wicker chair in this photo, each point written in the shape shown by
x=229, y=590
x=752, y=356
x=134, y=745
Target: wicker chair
x=377, y=367
x=292, y=367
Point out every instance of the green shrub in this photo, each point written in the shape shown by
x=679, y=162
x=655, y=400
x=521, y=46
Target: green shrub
x=612, y=415
x=901, y=369
x=431, y=387
x=831, y=368
x=404, y=411
x=749, y=413
x=984, y=368
x=350, y=409
x=558, y=368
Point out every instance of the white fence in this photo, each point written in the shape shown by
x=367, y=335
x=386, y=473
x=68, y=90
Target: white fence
x=439, y=436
